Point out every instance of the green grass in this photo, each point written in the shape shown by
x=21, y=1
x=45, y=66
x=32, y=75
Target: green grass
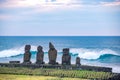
x=28, y=77
x=57, y=73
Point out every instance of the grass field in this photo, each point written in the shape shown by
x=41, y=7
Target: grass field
x=27, y=77
x=53, y=73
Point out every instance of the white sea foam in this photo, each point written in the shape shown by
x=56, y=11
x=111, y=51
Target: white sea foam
x=91, y=53
x=82, y=52
x=15, y=51
x=10, y=52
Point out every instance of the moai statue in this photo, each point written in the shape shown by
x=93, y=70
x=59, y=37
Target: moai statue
x=66, y=58
x=40, y=55
x=78, y=62
x=27, y=54
x=52, y=54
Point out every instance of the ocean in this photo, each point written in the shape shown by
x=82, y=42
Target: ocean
x=93, y=50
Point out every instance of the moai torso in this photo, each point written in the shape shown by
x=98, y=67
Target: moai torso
x=40, y=55
x=52, y=54
x=27, y=54
x=78, y=61
x=66, y=58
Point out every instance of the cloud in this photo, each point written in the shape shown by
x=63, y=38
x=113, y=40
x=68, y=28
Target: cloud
x=115, y=3
x=33, y=3
x=41, y=5
x=55, y=3
x=36, y=6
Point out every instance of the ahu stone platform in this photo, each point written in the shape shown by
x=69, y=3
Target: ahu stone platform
x=58, y=66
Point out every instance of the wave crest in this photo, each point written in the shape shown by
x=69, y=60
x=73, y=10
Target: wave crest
x=15, y=51
x=91, y=53
x=82, y=52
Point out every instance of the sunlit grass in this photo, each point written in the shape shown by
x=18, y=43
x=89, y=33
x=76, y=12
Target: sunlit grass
x=56, y=73
x=27, y=77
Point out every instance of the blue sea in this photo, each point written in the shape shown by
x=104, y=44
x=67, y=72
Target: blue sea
x=93, y=50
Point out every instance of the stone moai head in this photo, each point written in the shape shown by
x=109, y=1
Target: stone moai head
x=78, y=61
x=27, y=48
x=52, y=54
x=66, y=58
x=39, y=55
x=39, y=48
x=27, y=54
x=66, y=51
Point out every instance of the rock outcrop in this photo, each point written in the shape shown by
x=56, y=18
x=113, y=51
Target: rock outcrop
x=40, y=55
x=27, y=55
x=52, y=54
x=66, y=58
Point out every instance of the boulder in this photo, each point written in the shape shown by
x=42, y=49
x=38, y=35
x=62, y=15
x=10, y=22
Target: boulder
x=40, y=55
x=66, y=58
x=27, y=55
x=52, y=54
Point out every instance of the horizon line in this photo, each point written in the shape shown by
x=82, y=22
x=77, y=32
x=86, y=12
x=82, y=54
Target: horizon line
x=59, y=35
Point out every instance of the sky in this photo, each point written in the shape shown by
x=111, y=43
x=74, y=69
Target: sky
x=59, y=17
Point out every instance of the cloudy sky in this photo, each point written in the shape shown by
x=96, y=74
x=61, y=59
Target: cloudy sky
x=59, y=17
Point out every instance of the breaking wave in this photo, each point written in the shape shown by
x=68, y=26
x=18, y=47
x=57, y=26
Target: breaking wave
x=109, y=58
x=81, y=52
x=100, y=57
x=92, y=53
x=14, y=51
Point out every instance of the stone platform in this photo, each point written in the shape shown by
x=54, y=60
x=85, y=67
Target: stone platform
x=59, y=66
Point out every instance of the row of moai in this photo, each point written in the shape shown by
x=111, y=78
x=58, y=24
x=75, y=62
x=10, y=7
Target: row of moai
x=52, y=55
